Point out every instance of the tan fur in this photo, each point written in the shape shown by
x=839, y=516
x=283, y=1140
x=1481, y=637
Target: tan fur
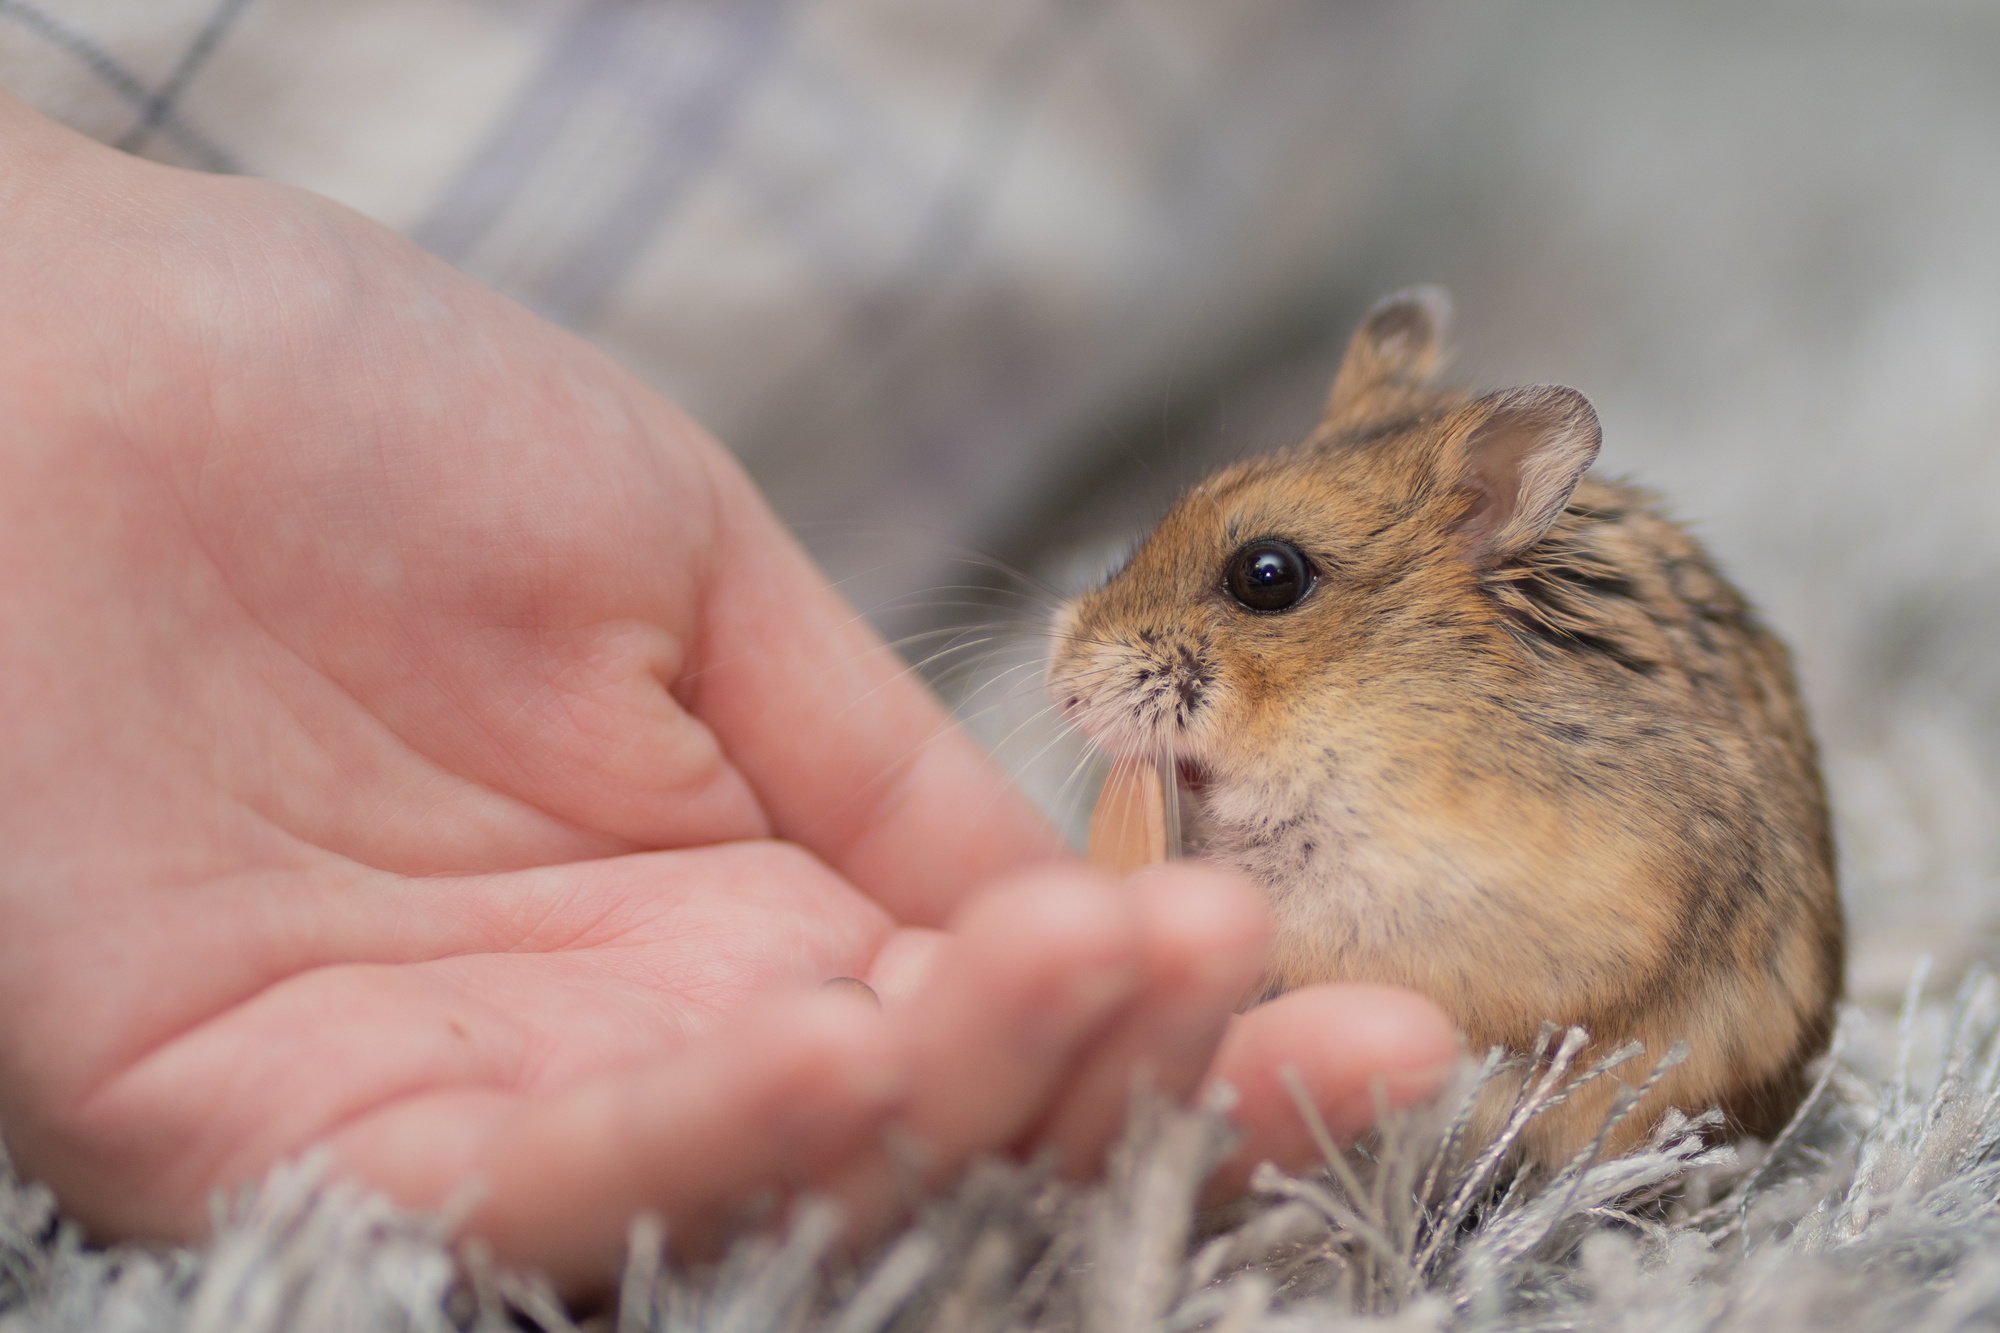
x=1571, y=782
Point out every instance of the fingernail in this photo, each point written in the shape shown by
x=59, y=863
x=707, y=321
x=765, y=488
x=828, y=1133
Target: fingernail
x=852, y=986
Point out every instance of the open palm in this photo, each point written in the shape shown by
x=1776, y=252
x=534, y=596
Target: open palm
x=421, y=738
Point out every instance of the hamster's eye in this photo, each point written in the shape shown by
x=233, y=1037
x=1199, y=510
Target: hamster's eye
x=1268, y=576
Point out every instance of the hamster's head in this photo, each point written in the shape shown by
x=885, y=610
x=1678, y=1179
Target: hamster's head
x=1323, y=599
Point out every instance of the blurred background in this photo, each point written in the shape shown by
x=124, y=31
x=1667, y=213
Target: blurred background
x=973, y=289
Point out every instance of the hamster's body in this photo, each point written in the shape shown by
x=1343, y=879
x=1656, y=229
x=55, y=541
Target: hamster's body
x=1517, y=745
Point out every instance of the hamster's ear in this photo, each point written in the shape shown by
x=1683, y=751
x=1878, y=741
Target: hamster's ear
x=1524, y=452
x=1399, y=346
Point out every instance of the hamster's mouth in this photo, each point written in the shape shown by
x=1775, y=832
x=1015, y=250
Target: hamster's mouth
x=1192, y=777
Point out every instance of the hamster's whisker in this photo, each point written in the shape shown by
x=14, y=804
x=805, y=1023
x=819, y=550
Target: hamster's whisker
x=987, y=591
x=1096, y=677
x=930, y=635
x=969, y=715
x=1005, y=673
x=1063, y=732
x=950, y=650
x=1062, y=789
x=1070, y=788
x=861, y=794
x=998, y=626
x=911, y=669
x=1014, y=688
x=977, y=559
x=1004, y=678
x=935, y=603
x=1107, y=645
x=1017, y=584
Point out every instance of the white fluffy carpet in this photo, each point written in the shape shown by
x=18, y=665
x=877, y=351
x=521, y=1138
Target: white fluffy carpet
x=1876, y=1210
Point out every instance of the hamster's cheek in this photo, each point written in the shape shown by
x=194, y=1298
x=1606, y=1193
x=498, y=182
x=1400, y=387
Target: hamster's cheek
x=1203, y=743
x=1254, y=800
x=1062, y=633
x=1064, y=652
x=1236, y=734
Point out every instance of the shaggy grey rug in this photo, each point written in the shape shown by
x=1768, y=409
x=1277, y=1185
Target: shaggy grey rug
x=1875, y=1209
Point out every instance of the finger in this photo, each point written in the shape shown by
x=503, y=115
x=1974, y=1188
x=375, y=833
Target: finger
x=265, y=969
x=776, y=1103
x=1205, y=938
x=1345, y=1041
x=847, y=751
x=1031, y=977
x=906, y=963
x=1038, y=972
x=283, y=1016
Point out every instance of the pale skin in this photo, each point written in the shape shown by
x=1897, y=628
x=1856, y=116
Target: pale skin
x=421, y=739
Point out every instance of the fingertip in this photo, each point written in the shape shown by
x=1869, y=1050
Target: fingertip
x=1030, y=979
x=1065, y=916
x=1355, y=1048
x=1205, y=934
x=1211, y=922
x=1390, y=1028
x=838, y=1045
x=1344, y=1039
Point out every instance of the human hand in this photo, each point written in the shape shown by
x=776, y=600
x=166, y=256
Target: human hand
x=421, y=738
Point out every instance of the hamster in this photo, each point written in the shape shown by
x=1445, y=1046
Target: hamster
x=1488, y=727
